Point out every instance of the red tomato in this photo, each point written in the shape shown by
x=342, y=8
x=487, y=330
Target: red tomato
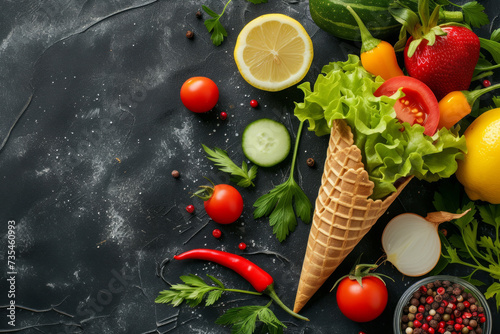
x=199, y=94
x=225, y=205
x=418, y=106
x=362, y=303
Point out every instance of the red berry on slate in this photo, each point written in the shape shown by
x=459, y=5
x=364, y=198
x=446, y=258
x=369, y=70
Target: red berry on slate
x=242, y=246
x=223, y=115
x=486, y=83
x=254, y=103
x=217, y=233
x=190, y=208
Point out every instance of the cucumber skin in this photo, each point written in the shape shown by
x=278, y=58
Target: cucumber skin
x=333, y=17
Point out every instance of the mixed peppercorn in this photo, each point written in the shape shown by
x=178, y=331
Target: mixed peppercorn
x=442, y=307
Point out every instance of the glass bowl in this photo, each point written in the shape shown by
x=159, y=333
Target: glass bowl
x=407, y=295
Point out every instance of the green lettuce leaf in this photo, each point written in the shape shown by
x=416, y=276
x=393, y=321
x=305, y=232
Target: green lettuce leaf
x=344, y=90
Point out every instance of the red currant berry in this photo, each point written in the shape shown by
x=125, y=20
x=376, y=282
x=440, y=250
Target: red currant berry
x=190, y=208
x=486, y=83
x=217, y=233
x=223, y=115
x=242, y=246
x=254, y=103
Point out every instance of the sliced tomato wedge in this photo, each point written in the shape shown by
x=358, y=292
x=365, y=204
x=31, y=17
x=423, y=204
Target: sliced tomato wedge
x=418, y=106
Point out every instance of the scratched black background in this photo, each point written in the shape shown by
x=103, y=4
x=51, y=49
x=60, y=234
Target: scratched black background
x=91, y=126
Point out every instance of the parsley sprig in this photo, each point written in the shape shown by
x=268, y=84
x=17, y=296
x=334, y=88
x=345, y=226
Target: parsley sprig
x=215, y=27
x=243, y=320
x=242, y=176
x=284, y=201
x=467, y=247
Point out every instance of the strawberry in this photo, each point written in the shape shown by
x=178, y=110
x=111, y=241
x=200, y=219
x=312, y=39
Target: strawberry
x=441, y=56
x=448, y=64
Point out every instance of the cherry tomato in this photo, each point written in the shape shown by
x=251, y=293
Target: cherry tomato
x=199, y=94
x=418, y=106
x=362, y=303
x=225, y=205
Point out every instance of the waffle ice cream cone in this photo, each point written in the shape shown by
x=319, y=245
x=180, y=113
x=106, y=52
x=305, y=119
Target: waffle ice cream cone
x=343, y=212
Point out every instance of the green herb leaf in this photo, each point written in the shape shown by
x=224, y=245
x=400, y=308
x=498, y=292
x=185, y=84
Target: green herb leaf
x=241, y=176
x=243, y=320
x=474, y=14
x=192, y=292
x=279, y=203
x=494, y=291
x=214, y=26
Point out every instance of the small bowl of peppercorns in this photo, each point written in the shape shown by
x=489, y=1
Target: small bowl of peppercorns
x=442, y=305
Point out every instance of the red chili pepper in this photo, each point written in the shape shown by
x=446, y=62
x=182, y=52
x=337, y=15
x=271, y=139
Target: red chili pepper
x=256, y=276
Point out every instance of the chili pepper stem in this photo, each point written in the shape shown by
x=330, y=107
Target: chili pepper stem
x=271, y=293
x=473, y=95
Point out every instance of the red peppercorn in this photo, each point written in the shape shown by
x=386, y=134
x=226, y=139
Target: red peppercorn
x=482, y=319
x=254, y=103
x=458, y=327
x=486, y=83
x=217, y=233
x=441, y=330
x=429, y=300
x=442, y=324
x=425, y=326
x=223, y=115
x=458, y=320
x=417, y=323
x=190, y=208
x=440, y=310
x=466, y=304
x=430, y=330
x=423, y=289
x=440, y=290
x=242, y=246
x=419, y=316
x=467, y=315
x=421, y=308
x=429, y=318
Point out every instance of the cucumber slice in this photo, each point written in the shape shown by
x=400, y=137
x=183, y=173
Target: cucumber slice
x=266, y=142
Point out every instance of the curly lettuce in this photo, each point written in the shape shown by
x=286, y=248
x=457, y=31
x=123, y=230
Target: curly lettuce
x=344, y=90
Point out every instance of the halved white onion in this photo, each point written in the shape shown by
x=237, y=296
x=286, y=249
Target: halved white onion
x=412, y=243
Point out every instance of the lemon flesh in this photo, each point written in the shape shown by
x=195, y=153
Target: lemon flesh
x=273, y=52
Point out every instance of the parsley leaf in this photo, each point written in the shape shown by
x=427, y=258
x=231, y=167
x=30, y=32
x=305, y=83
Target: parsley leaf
x=241, y=176
x=468, y=248
x=243, y=319
x=284, y=201
x=214, y=26
x=474, y=14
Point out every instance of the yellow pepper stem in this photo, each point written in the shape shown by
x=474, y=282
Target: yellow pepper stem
x=377, y=57
x=458, y=104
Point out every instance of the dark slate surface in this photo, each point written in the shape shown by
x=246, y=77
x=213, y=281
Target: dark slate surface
x=91, y=127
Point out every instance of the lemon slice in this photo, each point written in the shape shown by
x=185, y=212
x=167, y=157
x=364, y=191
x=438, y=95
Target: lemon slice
x=273, y=52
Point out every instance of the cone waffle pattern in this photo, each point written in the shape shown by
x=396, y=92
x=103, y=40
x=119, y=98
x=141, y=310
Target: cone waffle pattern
x=343, y=212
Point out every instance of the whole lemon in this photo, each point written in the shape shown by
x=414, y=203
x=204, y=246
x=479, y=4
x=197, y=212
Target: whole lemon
x=479, y=171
